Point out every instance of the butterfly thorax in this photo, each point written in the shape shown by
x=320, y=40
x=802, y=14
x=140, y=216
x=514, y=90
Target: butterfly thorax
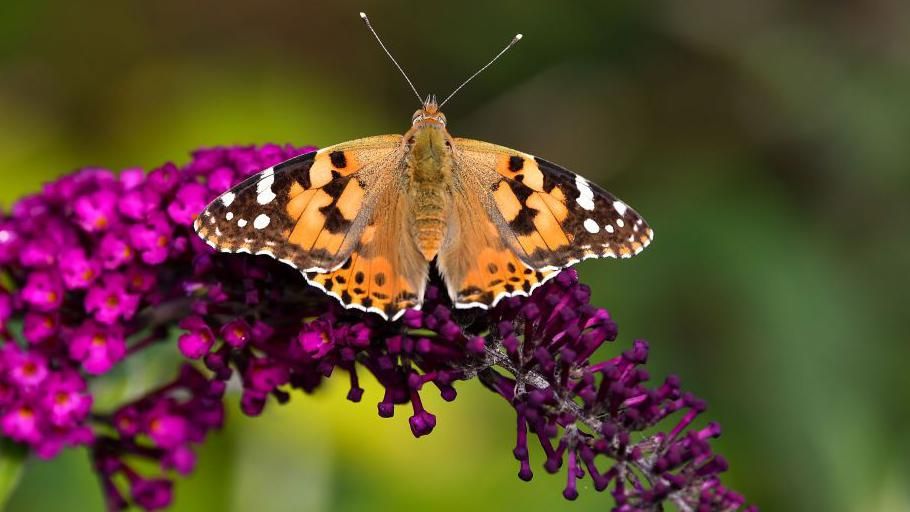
x=429, y=180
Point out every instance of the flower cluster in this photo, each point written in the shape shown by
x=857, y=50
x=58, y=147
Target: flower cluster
x=98, y=267
x=95, y=268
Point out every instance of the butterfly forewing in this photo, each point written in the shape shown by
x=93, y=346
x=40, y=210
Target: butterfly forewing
x=334, y=215
x=555, y=217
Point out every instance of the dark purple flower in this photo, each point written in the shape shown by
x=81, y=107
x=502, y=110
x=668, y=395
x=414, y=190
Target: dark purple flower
x=152, y=494
x=78, y=272
x=181, y=459
x=167, y=430
x=164, y=179
x=96, y=347
x=198, y=340
x=152, y=239
x=221, y=179
x=114, y=251
x=39, y=327
x=137, y=204
x=236, y=333
x=20, y=423
x=112, y=301
x=25, y=369
x=10, y=242
x=188, y=202
x=132, y=178
x=316, y=339
x=43, y=291
x=38, y=253
x=66, y=399
x=96, y=211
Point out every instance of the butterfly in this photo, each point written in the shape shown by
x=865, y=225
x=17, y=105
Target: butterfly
x=365, y=220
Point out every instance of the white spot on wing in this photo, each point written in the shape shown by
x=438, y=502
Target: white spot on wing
x=228, y=198
x=242, y=223
x=229, y=216
x=591, y=226
x=585, y=194
x=609, y=228
x=620, y=207
x=264, y=187
x=261, y=221
x=620, y=223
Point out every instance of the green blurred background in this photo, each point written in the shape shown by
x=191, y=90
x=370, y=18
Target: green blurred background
x=765, y=141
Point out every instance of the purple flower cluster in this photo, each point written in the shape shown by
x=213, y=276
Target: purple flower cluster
x=94, y=268
x=173, y=418
x=98, y=267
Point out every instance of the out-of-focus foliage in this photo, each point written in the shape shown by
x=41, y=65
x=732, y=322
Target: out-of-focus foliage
x=764, y=141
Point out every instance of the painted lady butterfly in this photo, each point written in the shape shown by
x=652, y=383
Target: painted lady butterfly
x=364, y=220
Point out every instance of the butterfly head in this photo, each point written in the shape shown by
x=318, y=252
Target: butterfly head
x=429, y=114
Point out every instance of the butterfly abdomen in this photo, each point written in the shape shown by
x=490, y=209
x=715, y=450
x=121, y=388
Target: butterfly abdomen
x=429, y=188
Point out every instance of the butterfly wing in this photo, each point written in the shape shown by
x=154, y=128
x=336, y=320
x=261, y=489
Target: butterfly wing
x=386, y=273
x=476, y=260
x=547, y=216
x=315, y=212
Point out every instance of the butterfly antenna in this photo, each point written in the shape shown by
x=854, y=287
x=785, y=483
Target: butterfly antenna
x=386, y=50
x=479, y=71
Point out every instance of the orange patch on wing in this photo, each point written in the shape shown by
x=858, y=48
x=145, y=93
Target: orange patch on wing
x=530, y=173
x=351, y=199
x=321, y=170
x=532, y=242
x=368, y=282
x=557, y=207
x=505, y=199
x=533, y=178
x=311, y=221
x=546, y=223
x=497, y=273
x=328, y=241
x=299, y=201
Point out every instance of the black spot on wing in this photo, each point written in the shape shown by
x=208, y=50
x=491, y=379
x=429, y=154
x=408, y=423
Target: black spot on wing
x=338, y=159
x=334, y=220
x=523, y=223
x=554, y=175
x=334, y=188
x=522, y=192
x=516, y=163
x=297, y=169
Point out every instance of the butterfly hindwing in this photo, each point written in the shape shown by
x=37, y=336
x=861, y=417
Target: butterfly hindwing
x=478, y=264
